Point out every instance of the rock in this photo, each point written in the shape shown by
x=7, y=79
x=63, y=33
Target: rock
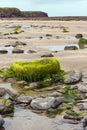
x=31, y=51
x=17, y=51
x=3, y=51
x=11, y=80
x=85, y=122
x=72, y=119
x=6, y=108
x=2, y=92
x=22, y=82
x=47, y=55
x=79, y=35
x=70, y=48
x=82, y=88
x=72, y=77
x=24, y=99
x=1, y=121
x=53, y=94
x=33, y=84
x=46, y=103
x=17, y=43
x=82, y=106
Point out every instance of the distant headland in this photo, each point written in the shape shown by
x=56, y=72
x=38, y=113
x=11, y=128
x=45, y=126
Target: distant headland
x=12, y=13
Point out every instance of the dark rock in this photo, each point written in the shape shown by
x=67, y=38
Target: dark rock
x=72, y=77
x=24, y=100
x=17, y=51
x=46, y=103
x=72, y=117
x=47, y=55
x=71, y=48
x=79, y=35
x=1, y=121
x=3, y=51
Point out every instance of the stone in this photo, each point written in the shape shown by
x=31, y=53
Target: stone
x=1, y=121
x=84, y=122
x=72, y=77
x=82, y=88
x=3, y=51
x=24, y=99
x=82, y=106
x=31, y=51
x=2, y=92
x=6, y=108
x=17, y=51
x=71, y=48
x=22, y=82
x=46, y=103
x=47, y=55
x=33, y=84
x=52, y=94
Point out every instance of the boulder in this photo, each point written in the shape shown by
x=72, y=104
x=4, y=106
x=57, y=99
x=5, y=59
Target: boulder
x=70, y=48
x=72, y=77
x=82, y=88
x=46, y=103
x=17, y=51
x=1, y=121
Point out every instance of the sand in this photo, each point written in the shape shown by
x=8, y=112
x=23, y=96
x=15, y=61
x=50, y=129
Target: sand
x=69, y=60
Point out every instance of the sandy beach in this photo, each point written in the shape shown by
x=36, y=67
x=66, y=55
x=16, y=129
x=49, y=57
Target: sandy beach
x=33, y=30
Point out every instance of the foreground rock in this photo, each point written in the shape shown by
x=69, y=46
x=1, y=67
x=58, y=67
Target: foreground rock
x=1, y=121
x=72, y=77
x=46, y=103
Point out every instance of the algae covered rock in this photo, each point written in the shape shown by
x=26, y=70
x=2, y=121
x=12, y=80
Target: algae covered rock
x=35, y=70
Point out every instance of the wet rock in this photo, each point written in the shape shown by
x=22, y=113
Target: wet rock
x=72, y=77
x=1, y=121
x=3, y=51
x=71, y=48
x=17, y=51
x=46, y=103
x=31, y=51
x=47, y=55
x=7, y=107
x=82, y=88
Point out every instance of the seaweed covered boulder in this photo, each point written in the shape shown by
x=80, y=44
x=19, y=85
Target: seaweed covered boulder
x=35, y=70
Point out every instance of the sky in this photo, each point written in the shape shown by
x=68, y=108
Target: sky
x=52, y=7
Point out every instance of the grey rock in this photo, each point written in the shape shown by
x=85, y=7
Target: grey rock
x=82, y=88
x=1, y=121
x=17, y=51
x=33, y=84
x=24, y=99
x=82, y=106
x=2, y=92
x=52, y=94
x=72, y=77
x=71, y=48
x=31, y=51
x=46, y=103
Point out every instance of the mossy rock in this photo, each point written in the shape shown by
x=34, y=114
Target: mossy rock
x=35, y=70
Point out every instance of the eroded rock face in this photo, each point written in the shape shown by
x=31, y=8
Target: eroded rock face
x=46, y=103
x=72, y=77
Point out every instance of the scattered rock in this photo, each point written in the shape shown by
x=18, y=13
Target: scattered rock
x=22, y=82
x=71, y=48
x=2, y=92
x=46, y=103
x=82, y=106
x=53, y=94
x=17, y=51
x=72, y=77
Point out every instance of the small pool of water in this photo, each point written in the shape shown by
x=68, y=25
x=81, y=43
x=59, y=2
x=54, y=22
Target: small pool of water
x=58, y=48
